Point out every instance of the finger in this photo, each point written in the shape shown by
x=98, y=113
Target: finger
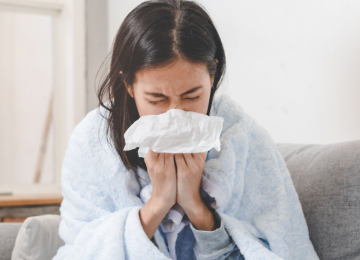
x=151, y=155
x=204, y=155
x=175, y=164
x=201, y=155
x=180, y=162
x=169, y=159
x=161, y=160
x=189, y=159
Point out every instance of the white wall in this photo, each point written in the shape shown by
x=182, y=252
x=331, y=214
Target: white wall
x=96, y=48
x=294, y=66
x=117, y=11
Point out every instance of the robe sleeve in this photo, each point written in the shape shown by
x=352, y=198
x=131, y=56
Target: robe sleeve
x=216, y=244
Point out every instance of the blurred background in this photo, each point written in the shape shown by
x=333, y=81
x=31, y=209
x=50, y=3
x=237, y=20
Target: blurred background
x=294, y=66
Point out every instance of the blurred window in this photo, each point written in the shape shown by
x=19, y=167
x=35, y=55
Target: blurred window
x=26, y=89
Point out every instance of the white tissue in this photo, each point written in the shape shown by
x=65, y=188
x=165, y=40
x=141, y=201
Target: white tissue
x=175, y=131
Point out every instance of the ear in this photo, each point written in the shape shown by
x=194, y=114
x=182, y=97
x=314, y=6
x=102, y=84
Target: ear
x=129, y=89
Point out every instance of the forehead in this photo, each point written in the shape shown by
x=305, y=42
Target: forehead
x=176, y=75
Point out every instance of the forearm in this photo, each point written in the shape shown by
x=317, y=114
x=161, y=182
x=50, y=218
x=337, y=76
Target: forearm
x=151, y=215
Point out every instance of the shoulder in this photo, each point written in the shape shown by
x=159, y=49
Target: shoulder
x=91, y=132
x=232, y=112
x=93, y=124
x=89, y=142
x=235, y=115
x=89, y=164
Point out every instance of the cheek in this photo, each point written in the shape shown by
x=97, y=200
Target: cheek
x=204, y=106
x=145, y=108
x=141, y=107
x=199, y=106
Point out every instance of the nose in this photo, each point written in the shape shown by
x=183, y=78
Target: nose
x=177, y=105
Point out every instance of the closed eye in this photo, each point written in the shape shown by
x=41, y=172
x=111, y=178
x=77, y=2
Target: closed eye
x=189, y=99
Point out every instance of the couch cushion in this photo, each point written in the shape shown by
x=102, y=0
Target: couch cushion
x=327, y=180
x=8, y=233
x=38, y=238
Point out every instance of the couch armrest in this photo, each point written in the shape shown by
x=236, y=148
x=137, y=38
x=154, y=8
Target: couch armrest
x=8, y=233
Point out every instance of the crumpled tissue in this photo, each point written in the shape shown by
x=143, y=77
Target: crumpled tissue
x=175, y=131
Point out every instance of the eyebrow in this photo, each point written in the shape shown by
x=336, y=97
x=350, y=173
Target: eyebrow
x=157, y=94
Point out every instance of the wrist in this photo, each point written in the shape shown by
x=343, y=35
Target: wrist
x=151, y=215
x=159, y=206
x=194, y=207
x=202, y=218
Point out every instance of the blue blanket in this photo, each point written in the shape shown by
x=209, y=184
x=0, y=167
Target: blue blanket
x=100, y=210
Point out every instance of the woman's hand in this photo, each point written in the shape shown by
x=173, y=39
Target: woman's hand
x=190, y=167
x=162, y=173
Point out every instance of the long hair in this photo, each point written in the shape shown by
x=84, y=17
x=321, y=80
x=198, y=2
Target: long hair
x=155, y=34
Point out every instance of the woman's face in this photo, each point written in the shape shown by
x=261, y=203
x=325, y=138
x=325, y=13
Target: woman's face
x=180, y=85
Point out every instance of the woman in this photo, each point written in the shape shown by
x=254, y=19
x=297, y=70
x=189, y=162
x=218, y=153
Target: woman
x=168, y=54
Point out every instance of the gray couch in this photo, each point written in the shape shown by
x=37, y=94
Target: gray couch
x=327, y=180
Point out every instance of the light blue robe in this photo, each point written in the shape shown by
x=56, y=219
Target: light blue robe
x=100, y=209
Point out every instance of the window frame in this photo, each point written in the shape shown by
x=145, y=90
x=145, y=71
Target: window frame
x=69, y=67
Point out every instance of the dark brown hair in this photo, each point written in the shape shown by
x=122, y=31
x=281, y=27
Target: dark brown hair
x=153, y=35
